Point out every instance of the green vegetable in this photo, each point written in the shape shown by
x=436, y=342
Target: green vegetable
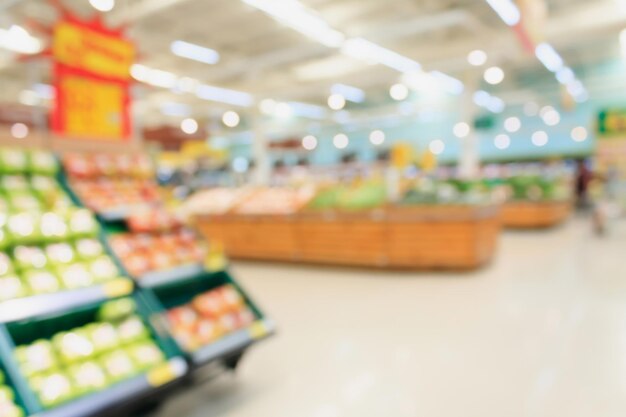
x=117, y=309
x=36, y=358
x=146, y=355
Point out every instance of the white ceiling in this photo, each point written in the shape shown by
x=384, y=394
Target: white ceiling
x=262, y=57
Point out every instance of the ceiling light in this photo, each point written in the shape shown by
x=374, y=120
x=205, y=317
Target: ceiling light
x=531, y=109
x=231, y=119
x=309, y=142
x=549, y=57
x=283, y=110
x=494, y=75
x=224, y=95
x=545, y=110
x=19, y=130
x=175, y=109
x=310, y=111
x=447, y=83
x=336, y=102
x=155, y=77
x=540, y=138
x=44, y=91
x=353, y=94
x=496, y=105
x=565, y=75
x=437, y=147
x=365, y=50
x=195, y=52
x=399, y=92
x=461, y=130
x=102, y=5
x=579, y=134
x=377, y=137
x=502, y=141
x=293, y=14
x=189, y=126
x=17, y=39
x=512, y=124
x=267, y=106
x=507, y=10
x=477, y=58
x=481, y=98
x=551, y=118
x=187, y=85
x=341, y=141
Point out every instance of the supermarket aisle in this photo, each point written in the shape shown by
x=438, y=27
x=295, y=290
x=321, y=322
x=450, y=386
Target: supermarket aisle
x=539, y=333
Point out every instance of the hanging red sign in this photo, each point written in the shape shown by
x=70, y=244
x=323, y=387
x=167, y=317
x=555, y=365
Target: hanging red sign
x=92, y=80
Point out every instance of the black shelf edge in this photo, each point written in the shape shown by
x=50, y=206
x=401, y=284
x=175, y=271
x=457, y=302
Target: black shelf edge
x=233, y=343
x=45, y=304
x=124, y=392
x=169, y=276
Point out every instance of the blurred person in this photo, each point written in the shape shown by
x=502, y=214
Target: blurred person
x=583, y=179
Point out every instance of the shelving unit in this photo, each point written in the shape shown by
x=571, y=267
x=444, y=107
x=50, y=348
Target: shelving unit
x=535, y=215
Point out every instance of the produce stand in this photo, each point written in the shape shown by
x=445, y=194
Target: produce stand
x=227, y=349
x=401, y=237
x=535, y=214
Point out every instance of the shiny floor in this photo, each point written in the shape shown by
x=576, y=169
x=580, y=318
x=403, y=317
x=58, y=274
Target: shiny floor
x=540, y=332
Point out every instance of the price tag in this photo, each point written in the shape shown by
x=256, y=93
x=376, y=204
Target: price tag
x=258, y=330
x=215, y=260
x=118, y=288
x=161, y=375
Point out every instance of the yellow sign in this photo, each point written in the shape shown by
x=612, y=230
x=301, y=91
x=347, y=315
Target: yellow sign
x=118, y=287
x=401, y=155
x=92, y=108
x=161, y=375
x=96, y=52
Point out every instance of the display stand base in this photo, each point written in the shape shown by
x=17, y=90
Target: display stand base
x=535, y=215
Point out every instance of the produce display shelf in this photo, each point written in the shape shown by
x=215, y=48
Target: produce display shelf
x=122, y=394
x=456, y=237
x=159, y=278
x=49, y=304
x=234, y=343
x=535, y=214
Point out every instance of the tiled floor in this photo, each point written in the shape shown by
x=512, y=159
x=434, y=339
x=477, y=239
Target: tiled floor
x=541, y=332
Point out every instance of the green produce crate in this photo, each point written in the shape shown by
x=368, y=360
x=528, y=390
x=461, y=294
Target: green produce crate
x=123, y=394
x=8, y=381
x=178, y=293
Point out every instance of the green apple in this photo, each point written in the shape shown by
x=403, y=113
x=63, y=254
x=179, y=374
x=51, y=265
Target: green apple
x=89, y=248
x=29, y=257
x=60, y=253
x=36, y=358
x=11, y=287
x=75, y=276
x=13, y=161
x=6, y=266
x=145, y=355
x=73, y=346
x=23, y=228
x=41, y=282
x=117, y=309
x=87, y=377
x=6, y=394
x=118, y=365
x=12, y=183
x=82, y=223
x=42, y=162
x=56, y=388
x=103, y=269
x=132, y=329
x=53, y=227
x=24, y=201
x=103, y=336
x=10, y=410
x=43, y=184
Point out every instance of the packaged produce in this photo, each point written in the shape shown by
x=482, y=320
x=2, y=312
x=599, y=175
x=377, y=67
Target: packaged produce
x=209, y=316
